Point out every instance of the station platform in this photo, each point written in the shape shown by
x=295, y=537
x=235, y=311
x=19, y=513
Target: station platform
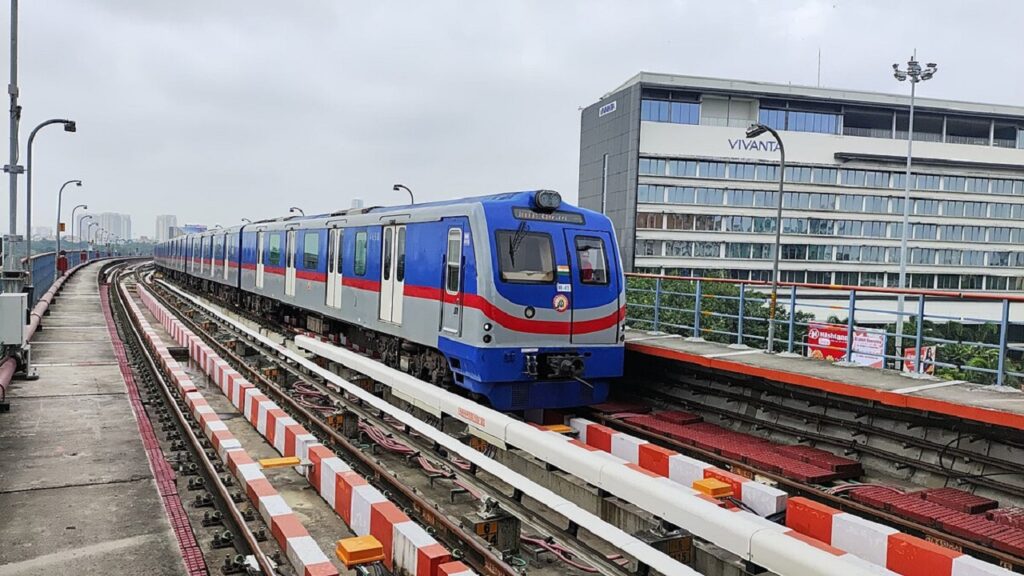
x=77, y=491
x=996, y=406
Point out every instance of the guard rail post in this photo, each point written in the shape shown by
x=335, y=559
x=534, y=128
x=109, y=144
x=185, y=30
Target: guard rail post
x=739, y=316
x=1004, y=323
x=657, y=303
x=849, y=325
x=792, y=319
x=696, y=310
x=919, y=336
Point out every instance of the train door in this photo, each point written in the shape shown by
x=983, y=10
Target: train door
x=202, y=255
x=592, y=284
x=259, y=259
x=290, y=248
x=392, y=274
x=335, y=246
x=215, y=247
x=227, y=242
x=451, y=302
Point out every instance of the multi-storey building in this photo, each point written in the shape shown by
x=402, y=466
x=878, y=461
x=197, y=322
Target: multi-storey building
x=120, y=225
x=667, y=159
x=166, y=225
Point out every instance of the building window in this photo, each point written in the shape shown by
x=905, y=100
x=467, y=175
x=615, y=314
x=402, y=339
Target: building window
x=794, y=226
x=852, y=177
x=851, y=203
x=739, y=224
x=766, y=173
x=764, y=224
x=682, y=168
x=825, y=175
x=710, y=196
x=974, y=234
x=952, y=208
x=978, y=185
x=772, y=118
x=948, y=257
x=846, y=278
x=926, y=207
x=872, y=279
x=798, y=121
x=741, y=171
x=819, y=252
x=794, y=276
x=922, y=256
x=678, y=248
x=819, y=277
x=820, y=226
x=951, y=233
x=648, y=248
x=926, y=281
x=973, y=258
x=872, y=254
x=876, y=204
x=707, y=222
x=739, y=197
x=679, y=221
x=955, y=184
x=765, y=199
x=998, y=258
x=793, y=252
x=652, y=167
x=1002, y=187
x=923, y=231
x=999, y=210
x=999, y=235
x=800, y=174
x=678, y=195
x=649, y=194
x=991, y=283
x=948, y=282
x=848, y=228
x=926, y=181
x=711, y=169
x=707, y=250
x=847, y=253
x=648, y=220
x=875, y=229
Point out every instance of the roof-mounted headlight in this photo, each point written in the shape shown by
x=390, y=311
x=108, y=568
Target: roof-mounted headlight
x=547, y=200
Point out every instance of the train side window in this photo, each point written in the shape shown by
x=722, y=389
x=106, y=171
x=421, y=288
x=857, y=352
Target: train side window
x=386, y=254
x=310, y=250
x=274, y=251
x=591, y=260
x=341, y=250
x=454, y=261
x=400, y=249
x=359, y=263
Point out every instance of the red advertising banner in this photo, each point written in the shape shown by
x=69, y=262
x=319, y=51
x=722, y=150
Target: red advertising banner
x=828, y=342
x=927, y=359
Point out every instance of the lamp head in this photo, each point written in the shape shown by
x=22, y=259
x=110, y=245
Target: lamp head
x=70, y=126
x=756, y=130
x=396, y=187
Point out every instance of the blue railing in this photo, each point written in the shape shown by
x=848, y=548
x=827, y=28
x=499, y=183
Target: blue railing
x=44, y=270
x=954, y=335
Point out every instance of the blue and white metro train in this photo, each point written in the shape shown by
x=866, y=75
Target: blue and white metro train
x=515, y=297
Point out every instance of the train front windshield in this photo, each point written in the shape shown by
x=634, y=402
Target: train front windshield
x=526, y=256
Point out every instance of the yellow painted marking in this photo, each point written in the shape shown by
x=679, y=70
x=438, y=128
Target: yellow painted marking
x=280, y=462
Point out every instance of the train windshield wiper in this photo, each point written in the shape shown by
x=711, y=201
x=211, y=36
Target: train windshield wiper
x=517, y=241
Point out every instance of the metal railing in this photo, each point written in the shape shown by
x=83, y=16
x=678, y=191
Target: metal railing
x=44, y=270
x=955, y=335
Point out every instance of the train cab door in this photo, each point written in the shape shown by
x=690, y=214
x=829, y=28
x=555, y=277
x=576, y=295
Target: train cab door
x=259, y=259
x=289, y=271
x=451, y=302
x=392, y=273
x=335, y=246
x=215, y=247
x=592, y=284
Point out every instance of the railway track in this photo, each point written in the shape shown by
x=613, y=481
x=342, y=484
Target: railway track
x=315, y=404
x=656, y=395
x=224, y=522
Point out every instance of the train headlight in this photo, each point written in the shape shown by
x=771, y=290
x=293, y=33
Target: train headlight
x=487, y=326
x=547, y=200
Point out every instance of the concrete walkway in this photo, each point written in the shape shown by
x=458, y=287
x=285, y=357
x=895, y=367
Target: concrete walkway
x=77, y=495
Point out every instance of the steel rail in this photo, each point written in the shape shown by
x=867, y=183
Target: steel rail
x=131, y=322
x=485, y=559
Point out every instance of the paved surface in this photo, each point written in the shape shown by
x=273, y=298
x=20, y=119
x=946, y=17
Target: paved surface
x=1002, y=406
x=76, y=492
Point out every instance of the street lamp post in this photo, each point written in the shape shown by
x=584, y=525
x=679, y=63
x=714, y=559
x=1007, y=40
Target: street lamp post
x=914, y=73
x=60, y=197
x=69, y=126
x=295, y=209
x=398, y=187
x=89, y=233
x=754, y=131
x=73, y=210
x=11, y=276
x=246, y=220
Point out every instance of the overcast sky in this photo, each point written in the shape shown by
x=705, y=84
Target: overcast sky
x=218, y=110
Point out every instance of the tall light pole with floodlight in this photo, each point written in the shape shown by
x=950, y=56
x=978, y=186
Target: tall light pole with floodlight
x=89, y=233
x=914, y=73
x=69, y=126
x=73, y=210
x=12, y=275
x=754, y=131
x=398, y=187
x=60, y=198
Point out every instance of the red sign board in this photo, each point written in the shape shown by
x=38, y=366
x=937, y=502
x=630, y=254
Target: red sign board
x=828, y=342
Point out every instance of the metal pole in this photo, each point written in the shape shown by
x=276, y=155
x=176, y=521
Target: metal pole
x=1004, y=323
x=657, y=303
x=792, y=319
x=850, y=326
x=73, y=210
x=696, y=310
x=906, y=223
x=919, y=336
x=28, y=193
x=60, y=198
x=778, y=244
x=742, y=311
x=11, y=282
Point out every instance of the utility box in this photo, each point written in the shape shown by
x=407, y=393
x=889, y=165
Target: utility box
x=496, y=526
x=12, y=319
x=675, y=542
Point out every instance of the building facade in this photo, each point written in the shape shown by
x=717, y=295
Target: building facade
x=666, y=158
x=166, y=226
x=120, y=225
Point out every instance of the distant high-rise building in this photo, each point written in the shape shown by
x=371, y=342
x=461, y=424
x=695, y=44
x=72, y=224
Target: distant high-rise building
x=193, y=228
x=357, y=202
x=166, y=225
x=43, y=232
x=119, y=225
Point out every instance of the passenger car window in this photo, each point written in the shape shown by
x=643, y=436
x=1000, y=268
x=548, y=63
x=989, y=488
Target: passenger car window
x=591, y=260
x=274, y=253
x=310, y=250
x=525, y=256
x=454, y=261
x=400, y=257
x=359, y=263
